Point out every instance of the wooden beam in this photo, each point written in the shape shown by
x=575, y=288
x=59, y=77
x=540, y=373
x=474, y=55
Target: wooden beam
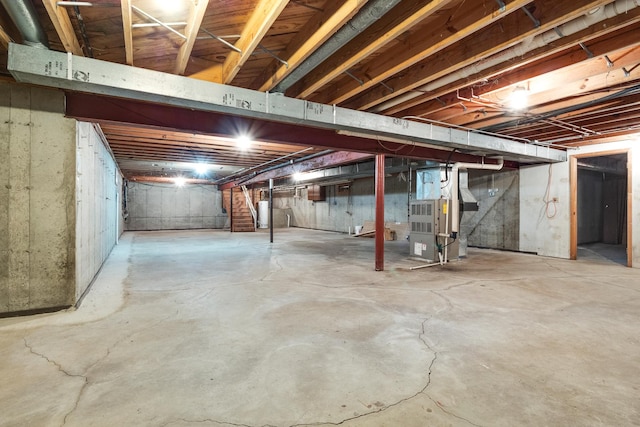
x=264, y=14
x=127, y=30
x=443, y=100
x=61, y=22
x=600, y=40
x=309, y=38
x=328, y=160
x=106, y=110
x=469, y=21
x=547, y=89
x=5, y=39
x=191, y=32
x=495, y=39
x=381, y=32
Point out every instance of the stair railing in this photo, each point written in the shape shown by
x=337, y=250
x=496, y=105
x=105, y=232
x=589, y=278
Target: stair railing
x=247, y=198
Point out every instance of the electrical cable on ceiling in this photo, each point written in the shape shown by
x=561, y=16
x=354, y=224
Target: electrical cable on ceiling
x=547, y=201
x=413, y=146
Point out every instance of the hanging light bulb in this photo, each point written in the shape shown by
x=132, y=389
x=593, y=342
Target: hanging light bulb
x=519, y=99
x=201, y=169
x=243, y=142
x=171, y=6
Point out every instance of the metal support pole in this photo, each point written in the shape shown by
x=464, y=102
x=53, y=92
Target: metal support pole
x=231, y=209
x=271, y=210
x=379, y=212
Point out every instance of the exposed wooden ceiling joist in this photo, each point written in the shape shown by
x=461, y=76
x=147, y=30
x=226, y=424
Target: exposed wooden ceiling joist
x=127, y=31
x=452, y=61
x=62, y=23
x=506, y=33
x=309, y=38
x=265, y=12
x=194, y=21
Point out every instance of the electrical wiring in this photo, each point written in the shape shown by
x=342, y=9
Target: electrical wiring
x=550, y=201
x=413, y=146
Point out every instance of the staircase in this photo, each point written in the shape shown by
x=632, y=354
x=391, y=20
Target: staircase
x=241, y=219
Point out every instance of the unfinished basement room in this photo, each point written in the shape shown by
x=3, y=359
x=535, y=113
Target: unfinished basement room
x=289, y=213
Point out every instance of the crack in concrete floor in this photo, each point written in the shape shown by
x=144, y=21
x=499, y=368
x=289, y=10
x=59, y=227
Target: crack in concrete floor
x=374, y=289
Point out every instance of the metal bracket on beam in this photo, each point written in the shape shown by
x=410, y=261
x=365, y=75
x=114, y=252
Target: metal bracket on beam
x=157, y=21
x=586, y=50
x=348, y=73
x=221, y=40
x=609, y=62
x=276, y=57
x=501, y=5
x=536, y=22
x=387, y=86
x=627, y=73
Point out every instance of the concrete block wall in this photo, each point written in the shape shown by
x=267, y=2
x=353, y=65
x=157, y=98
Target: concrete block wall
x=37, y=200
x=154, y=206
x=98, y=207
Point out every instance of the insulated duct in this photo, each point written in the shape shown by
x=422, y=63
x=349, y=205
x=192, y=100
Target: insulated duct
x=595, y=16
x=24, y=16
x=369, y=14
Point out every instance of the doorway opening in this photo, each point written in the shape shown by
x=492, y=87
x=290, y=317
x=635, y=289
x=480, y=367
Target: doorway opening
x=600, y=206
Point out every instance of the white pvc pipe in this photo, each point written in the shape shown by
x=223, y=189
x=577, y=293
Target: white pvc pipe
x=455, y=203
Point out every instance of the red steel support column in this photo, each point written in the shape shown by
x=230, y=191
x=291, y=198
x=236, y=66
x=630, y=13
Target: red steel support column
x=379, y=212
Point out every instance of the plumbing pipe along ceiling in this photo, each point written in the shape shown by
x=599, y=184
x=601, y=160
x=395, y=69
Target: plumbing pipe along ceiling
x=457, y=63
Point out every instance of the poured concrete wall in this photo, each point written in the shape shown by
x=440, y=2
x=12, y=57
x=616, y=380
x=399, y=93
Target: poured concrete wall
x=168, y=207
x=37, y=200
x=496, y=224
x=344, y=209
x=544, y=224
x=545, y=227
x=98, y=205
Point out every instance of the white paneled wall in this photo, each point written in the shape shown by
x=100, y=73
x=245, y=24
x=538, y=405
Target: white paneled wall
x=98, y=205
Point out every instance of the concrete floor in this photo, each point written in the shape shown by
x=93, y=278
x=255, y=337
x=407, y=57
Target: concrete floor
x=208, y=328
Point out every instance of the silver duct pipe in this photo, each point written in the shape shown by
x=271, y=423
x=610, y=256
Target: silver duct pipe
x=455, y=203
x=595, y=16
x=369, y=14
x=24, y=16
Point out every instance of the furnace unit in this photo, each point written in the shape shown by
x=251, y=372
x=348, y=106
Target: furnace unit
x=430, y=233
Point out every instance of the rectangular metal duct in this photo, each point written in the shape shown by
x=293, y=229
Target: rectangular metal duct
x=55, y=69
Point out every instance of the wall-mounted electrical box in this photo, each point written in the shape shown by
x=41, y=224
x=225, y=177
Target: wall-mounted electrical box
x=428, y=219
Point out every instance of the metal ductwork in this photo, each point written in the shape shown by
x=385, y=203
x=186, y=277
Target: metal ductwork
x=24, y=16
x=597, y=15
x=455, y=186
x=369, y=14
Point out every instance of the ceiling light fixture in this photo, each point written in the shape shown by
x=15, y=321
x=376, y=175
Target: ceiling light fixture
x=171, y=5
x=519, y=99
x=201, y=169
x=179, y=181
x=243, y=142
